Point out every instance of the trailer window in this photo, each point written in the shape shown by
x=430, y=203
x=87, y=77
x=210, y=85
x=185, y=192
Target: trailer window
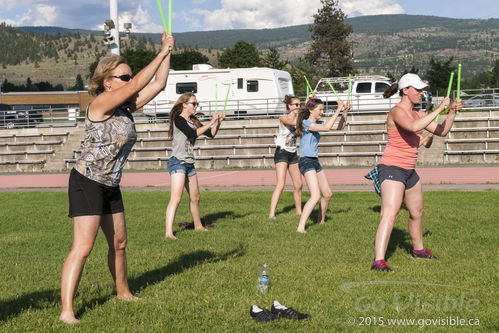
x=364, y=88
x=380, y=87
x=252, y=86
x=239, y=83
x=184, y=87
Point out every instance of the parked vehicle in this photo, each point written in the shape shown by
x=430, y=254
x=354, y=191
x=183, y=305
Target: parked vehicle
x=253, y=91
x=11, y=117
x=366, y=93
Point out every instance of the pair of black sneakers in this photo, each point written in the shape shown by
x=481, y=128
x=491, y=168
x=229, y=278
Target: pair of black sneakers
x=276, y=312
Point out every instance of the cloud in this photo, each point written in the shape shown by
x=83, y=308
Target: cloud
x=261, y=14
x=141, y=21
x=38, y=15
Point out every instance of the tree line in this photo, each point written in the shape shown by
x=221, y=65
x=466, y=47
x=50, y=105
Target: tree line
x=330, y=55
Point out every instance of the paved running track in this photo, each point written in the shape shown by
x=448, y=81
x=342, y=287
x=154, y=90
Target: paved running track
x=433, y=178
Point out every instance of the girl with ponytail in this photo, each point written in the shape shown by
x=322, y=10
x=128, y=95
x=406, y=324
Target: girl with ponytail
x=309, y=126
x=396, y=172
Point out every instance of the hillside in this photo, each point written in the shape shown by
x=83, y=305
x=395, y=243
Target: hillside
x=382, y=43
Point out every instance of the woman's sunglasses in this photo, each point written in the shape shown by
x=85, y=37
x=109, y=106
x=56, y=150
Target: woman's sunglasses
x=124, y=77
x=193, y=103
x=295, y=104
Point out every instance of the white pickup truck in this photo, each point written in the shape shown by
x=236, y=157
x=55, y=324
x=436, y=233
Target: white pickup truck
x=366, y=93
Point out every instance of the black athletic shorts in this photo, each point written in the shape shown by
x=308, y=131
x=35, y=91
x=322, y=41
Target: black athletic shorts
x=390, y=172
x=88, y=197
x=282, y=155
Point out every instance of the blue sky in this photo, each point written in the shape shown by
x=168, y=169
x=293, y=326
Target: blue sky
x=201, y=15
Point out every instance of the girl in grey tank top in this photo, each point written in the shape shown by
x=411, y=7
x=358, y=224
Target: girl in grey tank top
x=185, y=128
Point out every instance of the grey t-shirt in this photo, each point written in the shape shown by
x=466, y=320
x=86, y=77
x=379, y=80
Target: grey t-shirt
x=184, y=137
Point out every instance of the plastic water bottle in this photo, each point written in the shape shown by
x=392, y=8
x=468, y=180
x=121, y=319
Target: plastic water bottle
x=263, y=279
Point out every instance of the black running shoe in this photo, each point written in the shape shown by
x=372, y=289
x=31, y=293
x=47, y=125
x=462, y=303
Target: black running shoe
x=380, y=265
x=422, y=254
x=261, y=315
x=290, y=313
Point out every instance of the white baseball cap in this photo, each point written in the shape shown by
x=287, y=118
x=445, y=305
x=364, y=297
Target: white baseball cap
x=412, y=80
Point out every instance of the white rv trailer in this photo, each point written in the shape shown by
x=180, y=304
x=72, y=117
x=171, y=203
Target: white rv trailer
x=253, y=91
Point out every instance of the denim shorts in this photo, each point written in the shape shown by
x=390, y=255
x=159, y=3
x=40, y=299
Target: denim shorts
x=282, y=155
x=309, y=163
x=408, y=177
x=175, y=165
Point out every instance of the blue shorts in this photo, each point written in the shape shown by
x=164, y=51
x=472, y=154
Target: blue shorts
x=309, y=163
x=408, y=177
x=282, y=155
x=175, y=165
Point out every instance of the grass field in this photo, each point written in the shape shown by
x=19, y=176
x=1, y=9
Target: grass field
x=206, y=281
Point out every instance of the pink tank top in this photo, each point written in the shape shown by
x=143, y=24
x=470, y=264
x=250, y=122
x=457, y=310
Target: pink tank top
x=402, y=147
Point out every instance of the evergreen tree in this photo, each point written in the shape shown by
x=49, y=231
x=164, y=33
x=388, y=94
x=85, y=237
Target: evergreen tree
x=185, y=59
x=438, y=75
x=79, y=85
x=330, y=49
x=243, y=55
x=273, y=59
x=494, y=75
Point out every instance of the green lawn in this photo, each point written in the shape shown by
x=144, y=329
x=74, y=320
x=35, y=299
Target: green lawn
x=206, y=281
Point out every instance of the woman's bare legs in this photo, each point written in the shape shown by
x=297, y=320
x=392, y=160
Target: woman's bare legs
x=414, y=203
x=280, y=169
x=315, y=195
x=326, y=196
x=114, y=228
x=84, y=232
x=294, y=172
x=176, y=190
x=192, y=188
x=392, y=194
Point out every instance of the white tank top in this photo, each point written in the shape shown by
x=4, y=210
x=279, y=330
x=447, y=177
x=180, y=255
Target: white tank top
x=286, y=138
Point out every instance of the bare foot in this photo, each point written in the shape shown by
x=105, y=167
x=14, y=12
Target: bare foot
x=322, y=222
x=301, y=231
x=128, y=298
x=298, y=213
x=170, y=236
x=68, y=318
x=200, y=229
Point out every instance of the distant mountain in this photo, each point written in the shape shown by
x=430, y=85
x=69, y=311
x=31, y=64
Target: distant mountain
x=265, y=38
x=381, y=44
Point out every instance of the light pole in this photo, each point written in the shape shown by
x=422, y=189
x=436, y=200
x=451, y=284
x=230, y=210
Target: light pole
x=115, y=33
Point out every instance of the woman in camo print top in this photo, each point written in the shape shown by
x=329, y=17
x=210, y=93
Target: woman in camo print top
x=94, y=194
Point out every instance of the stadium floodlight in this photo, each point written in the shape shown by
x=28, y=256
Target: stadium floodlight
x=108, y=37
x=127, y=26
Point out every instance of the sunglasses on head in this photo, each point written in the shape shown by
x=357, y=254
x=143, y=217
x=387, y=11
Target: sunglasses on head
x=124, y=77
x=193, y=103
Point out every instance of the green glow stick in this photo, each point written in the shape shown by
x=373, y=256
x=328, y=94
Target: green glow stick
x=216, y=97
x=169, y=16
x=309, y=88
x=458, y=84
x=448, y=91
x=162, y=15
x=332, y=88
x=349, y=85
x=226, y=97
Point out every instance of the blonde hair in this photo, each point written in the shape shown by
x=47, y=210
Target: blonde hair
x=177, y=109
x=103, y=70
